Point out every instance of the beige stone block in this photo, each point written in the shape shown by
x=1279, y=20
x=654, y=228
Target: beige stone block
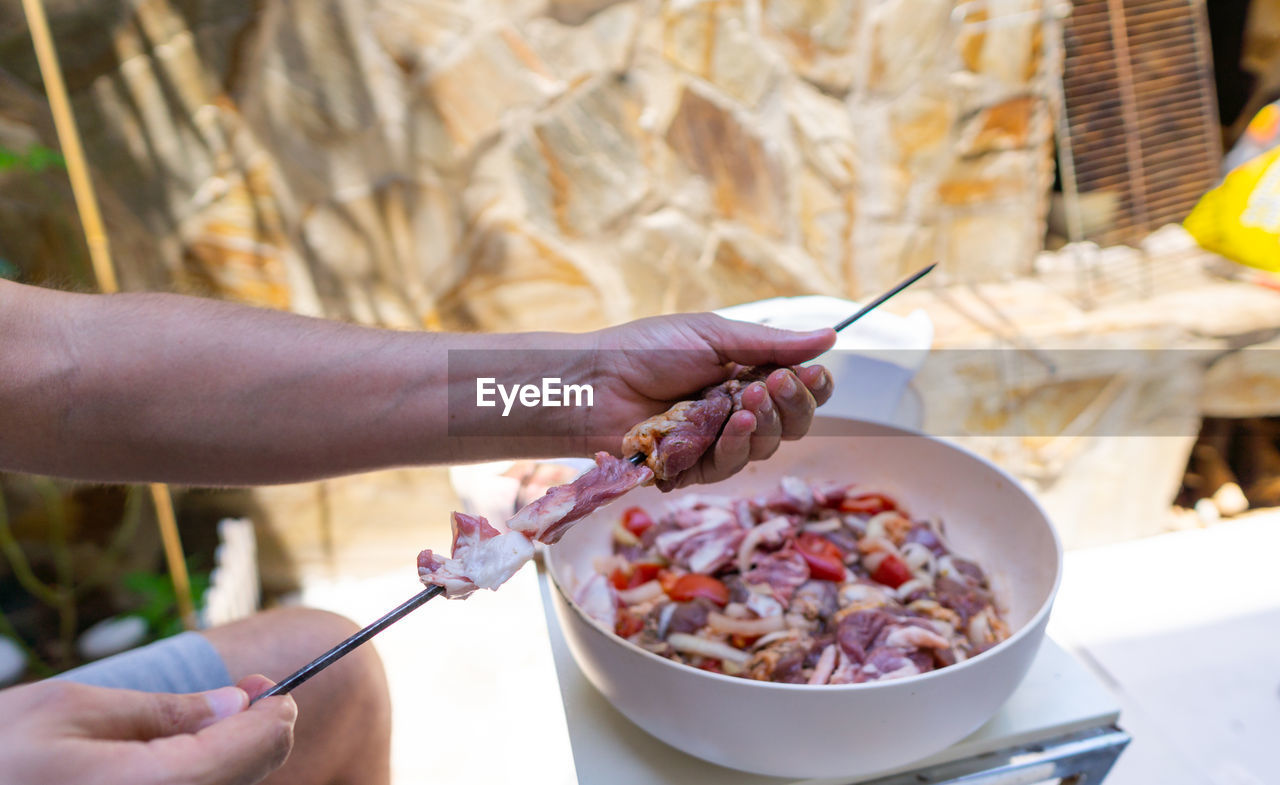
x=1010, y=52
x=582, y=165
x=883, y=251
x=824, y=133
x=994, y=178
x=604, y=43
x=747, y=180
x=819, y=39
x=907, y=42
x=491, y=74
x=517, y=278
x=420, y=33
x=991, y=244
x=816, y=25
x=920, y=126
x=575, y=12
x=742, y=267
x=312, y=84
x=655, y=255
x=714, y=39
x=383, y=255
x=825, y=220
x=1018, y=122
x=234, y=243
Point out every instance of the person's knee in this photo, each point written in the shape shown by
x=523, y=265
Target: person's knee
x=278, y=641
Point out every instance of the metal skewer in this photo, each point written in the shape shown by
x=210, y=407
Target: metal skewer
x=419, y=599
x=640, y=457
x=346, y=647
x=876, y=303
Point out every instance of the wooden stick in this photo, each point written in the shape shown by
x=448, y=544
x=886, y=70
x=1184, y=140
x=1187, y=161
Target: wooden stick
x=95, y=236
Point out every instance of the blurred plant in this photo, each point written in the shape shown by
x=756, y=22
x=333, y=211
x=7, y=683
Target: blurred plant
x=36, y=158
x=154, y=593
x=159, y=601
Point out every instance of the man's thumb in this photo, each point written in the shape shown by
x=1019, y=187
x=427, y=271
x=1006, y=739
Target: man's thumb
x=141, y=716
x=169, y=715
x=757, y=344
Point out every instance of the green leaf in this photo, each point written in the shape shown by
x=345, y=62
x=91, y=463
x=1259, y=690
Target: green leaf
x=37, y=158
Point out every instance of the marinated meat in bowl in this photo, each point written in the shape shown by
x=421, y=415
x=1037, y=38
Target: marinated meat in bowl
x=995, y=548
x=810, y=583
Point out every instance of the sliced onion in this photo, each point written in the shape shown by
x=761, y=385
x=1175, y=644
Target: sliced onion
x=770, y=531
x=664, y=619
x=649, y=590
x=826, y=664
x=692, y=644
x=605, y=565
x=920, y=559
x=774, y=637
x=902, y=591
x=746, y=627
x=822, y=527
x=623, y=536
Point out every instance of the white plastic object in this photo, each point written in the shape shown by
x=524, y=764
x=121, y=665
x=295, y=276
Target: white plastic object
x=111, y=636
x=13, y=663
x=873, y=361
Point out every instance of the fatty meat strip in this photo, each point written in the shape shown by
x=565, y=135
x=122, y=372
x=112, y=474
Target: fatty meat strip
x=484, y=558
x=673, y=442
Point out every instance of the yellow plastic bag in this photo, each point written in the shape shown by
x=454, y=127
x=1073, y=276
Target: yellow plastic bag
x=1240, y=219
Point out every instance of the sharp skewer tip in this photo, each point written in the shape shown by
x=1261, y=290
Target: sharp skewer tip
x=876, y=303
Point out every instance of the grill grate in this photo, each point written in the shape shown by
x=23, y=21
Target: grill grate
x=1141, y=113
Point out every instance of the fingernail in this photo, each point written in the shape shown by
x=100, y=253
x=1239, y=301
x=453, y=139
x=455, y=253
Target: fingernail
x=226, y=701
x=788, y=385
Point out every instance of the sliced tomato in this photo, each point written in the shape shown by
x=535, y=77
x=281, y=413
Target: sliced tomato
x=892, y=571
x=667, y=579
x=687, y=587
x=825, y=561
x=742, y=641
x=633, y=575
x=636, y=521
x=867, y=503
x=628, y=624
x=619, y=578
x=643, y=572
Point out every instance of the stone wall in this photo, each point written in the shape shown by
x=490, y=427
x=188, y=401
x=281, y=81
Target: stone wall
x=511, y=164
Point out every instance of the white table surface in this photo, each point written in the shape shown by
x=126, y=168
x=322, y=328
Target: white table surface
x=1059, y=695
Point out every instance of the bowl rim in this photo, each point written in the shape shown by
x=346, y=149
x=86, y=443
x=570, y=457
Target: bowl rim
x=1034, y=623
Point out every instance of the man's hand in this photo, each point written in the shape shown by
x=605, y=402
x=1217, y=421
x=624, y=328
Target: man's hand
x=647, y=366
x=59, y=732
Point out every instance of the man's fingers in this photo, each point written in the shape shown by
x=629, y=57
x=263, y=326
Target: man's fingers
x=818, y=380
x=794, y=401
x=768, y=432
x=127, y=715
x=728, y=455
x=255, y=685
x=756, y=344
x=239, y=750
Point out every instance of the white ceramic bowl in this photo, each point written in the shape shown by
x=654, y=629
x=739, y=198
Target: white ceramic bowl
x=845, y=730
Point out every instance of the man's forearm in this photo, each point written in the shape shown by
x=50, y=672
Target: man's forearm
x=160, y=387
